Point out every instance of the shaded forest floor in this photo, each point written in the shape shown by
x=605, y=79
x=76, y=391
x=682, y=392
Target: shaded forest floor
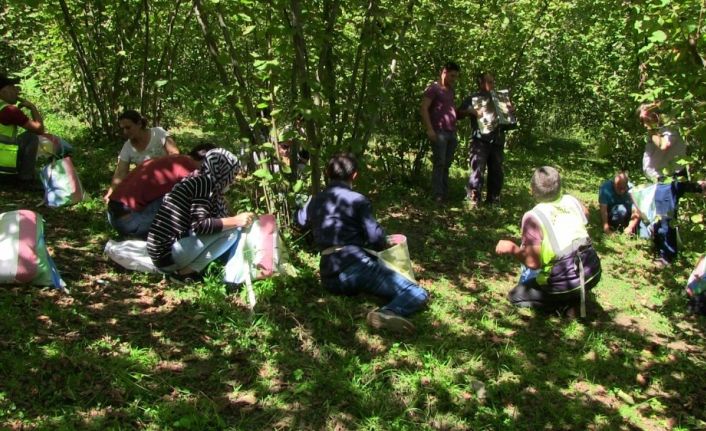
x=128, y=350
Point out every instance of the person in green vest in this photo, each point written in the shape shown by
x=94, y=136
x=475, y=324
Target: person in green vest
x=18, y=148
x=559, y=263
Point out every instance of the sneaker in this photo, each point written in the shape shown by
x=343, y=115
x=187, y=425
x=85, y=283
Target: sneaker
x=385, y=319
x=184, y=279
x=661, y=263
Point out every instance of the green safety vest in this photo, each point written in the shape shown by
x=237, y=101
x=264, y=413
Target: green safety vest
x=563, y=226
x=8, y=144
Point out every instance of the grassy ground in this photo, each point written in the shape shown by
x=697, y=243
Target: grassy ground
x=128, y=350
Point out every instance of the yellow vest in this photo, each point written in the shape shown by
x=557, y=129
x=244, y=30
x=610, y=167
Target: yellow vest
x=8, y=144
x=563, y=231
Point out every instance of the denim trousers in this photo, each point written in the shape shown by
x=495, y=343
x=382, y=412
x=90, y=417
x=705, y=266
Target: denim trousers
x=137, y=223
x=442, y=156
x=194, y=252
x=370, y=276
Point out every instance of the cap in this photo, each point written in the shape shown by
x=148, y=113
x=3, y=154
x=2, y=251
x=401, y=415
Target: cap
x=5, y=80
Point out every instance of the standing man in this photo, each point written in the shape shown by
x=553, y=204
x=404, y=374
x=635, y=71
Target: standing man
x=18, y=151
x=487, y=142
x=438, y=112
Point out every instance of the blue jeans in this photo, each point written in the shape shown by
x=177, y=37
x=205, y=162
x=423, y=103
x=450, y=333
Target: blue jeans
x=443, y=155
x=136, y=224
x=370, y=276
x=193, y=253
x=619, y=216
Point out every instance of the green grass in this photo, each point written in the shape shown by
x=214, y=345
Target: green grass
x=136, y=352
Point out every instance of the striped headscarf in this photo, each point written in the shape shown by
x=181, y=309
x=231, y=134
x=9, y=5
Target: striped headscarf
x=220, y=166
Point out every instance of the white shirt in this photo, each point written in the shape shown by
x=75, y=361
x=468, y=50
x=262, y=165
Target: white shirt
x=155, y=148
x=654, y=160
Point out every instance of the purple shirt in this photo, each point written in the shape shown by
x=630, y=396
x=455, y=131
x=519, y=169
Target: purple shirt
x=442, y=111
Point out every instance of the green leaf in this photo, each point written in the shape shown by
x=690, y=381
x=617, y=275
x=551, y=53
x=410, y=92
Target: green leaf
x=658, y=37
x=160, y=83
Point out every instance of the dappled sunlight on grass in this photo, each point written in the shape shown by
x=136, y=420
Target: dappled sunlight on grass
x=130, y=350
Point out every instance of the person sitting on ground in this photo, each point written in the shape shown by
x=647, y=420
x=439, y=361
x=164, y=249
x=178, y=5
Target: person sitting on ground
x=18, y=151
x=135, y=201
x=559, y=262
x=342, y=223
x=664, y=146
x=192, y=227
x=617, y=210
x=142, y=143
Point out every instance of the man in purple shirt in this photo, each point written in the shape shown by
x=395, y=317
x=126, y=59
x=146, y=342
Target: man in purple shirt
x=438, y=113
x=342, y=224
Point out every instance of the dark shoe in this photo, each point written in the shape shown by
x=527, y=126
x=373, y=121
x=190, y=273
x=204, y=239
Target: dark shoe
x=184, y=279
x=660, y=263
x=385, y=319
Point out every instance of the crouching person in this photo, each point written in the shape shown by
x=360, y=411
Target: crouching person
x=617, y=210
x=559, y=262
x=192, y=228
x=342, y=223
x=136, y=199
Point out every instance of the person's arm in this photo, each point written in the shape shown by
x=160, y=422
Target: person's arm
x=604, y=218
x=170, y=146
x=119, y=175
x=527, y=255
x=36, y=124
x=634, y=220
x=241, y=220
x=374, y=232
x=426, y=119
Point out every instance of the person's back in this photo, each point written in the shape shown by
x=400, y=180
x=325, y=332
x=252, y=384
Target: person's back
x=342, y=223
x=151, y=180
x=341, y=217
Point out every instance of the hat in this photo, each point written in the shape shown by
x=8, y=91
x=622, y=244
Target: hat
x=5, y=80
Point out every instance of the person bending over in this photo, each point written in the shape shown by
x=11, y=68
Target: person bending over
x=135, y=201
x=192, y=227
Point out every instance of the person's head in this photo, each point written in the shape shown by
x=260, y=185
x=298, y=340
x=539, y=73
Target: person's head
x=449, y=74
x=9, y=91
x=199, y=152
x=485, y=81
x=342, y=167
x=546, y=184
x=620, y=182
x=131, y=122
x=221, y=166
x=649, y=115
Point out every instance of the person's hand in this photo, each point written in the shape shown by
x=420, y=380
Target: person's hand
x=431, y=135
x=106, y=197
x=505, y=247
x=629, y=230
x=244, y=219
x=606, y=229
x=702, y=183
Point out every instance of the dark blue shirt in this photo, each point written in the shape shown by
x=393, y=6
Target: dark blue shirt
x=338, y=216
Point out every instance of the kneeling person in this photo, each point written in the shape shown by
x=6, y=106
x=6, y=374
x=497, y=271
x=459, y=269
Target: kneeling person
x=560, y=264
x=342, y=223
x=617, y=210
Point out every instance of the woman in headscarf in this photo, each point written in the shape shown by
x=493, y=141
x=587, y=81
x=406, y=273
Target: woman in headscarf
x=192, y=227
